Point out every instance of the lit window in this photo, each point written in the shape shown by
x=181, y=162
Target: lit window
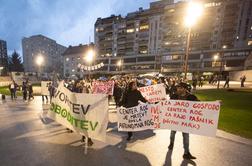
x=171, y=10
x=130, y=30
x=212, y=4
x=167, y=43
x=250, y=43
x=73, y=70
x=143, y=52
x=67, y=59
x=137, y=29
x=144, y=27
x=96, y=29
x=175, y=57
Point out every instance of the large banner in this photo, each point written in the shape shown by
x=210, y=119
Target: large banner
x=153, y=93
x=99, y=87
x=86, y=114
x=44, y=88
x=187, y=116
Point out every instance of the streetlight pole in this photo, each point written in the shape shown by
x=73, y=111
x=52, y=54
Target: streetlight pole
x=187, y=53
x=221, y=64
x=194, y=11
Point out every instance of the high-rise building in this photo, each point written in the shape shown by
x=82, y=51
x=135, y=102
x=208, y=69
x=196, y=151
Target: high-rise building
x=3, y=56
x=154, y=39
x=48, y=49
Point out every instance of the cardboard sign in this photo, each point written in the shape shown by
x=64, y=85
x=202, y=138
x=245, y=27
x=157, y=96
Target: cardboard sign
x=153, y=93
x=134, y=119
x=100, y=87
x=195, y=117
x=44, y=88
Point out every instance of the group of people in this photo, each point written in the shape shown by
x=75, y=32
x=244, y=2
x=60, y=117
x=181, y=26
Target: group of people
x=126, y=94
x=26, y=88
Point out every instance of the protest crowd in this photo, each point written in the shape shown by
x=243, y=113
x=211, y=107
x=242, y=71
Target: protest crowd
x=126, y=92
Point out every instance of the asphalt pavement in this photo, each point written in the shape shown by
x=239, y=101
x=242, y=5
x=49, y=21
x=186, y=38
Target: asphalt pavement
x=28, y=138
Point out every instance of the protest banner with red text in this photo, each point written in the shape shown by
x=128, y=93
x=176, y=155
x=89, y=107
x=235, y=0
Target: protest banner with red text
x=100, y=87
x=196, y=117
x=135, y=118
x=153, y=93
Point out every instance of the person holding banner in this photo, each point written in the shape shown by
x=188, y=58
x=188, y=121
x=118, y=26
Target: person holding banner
x=182, y=93
x=131, y=98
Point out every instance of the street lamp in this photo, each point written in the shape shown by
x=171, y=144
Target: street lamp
x=119, y=64
x=89, y=57
x=216, y=57
x=194, y=11
x=39, y=61
x=221, y=64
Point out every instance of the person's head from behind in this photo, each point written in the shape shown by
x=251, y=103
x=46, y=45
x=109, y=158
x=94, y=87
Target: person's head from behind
x=132, y=86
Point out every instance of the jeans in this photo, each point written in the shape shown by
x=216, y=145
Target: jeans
x=185, y=140
x=12, y=94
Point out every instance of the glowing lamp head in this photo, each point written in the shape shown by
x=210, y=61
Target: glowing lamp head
x=216, y=57
x=39, y=60
x=90, y=56
x=119, y=63
x=193, y=12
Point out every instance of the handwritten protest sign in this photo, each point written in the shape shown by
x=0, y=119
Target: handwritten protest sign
x=99, y=87
x=44, y=88
x=84, y=113
x=134, y=119
x=153, y=93
x=187, y=116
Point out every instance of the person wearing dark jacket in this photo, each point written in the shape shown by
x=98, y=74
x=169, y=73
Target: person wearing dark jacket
x=24, y=90
x=117, y=93
x=182, y=93
x=131, y=98
x=30, y=90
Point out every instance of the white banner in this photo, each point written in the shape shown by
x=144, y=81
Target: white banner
x=181, y=115
x=86, y=114
x=134, y=119
x=44, y=88
x=153, y=93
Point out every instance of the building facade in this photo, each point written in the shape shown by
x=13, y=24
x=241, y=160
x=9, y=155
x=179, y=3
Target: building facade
x=75, y=56
x=3, y=56
x=154, y=39
x=45, y=47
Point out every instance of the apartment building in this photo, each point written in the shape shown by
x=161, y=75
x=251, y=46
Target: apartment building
x=154, y=39
x=3, y=56
x=49, y=49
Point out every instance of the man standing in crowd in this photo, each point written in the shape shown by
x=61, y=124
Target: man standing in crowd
x=30, y=90
x=226, y=82
x=24, y=90
x=182, y=93
x=131, y=98
x=243, y=79
x=51, y=90
x=13, y=88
